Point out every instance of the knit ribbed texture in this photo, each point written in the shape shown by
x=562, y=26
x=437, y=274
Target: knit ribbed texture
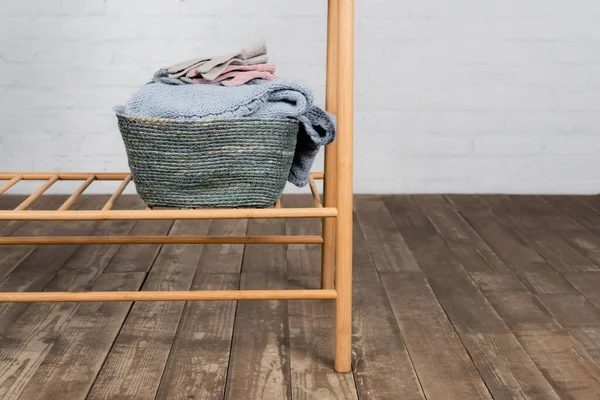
x=228, y=163
x=280, y=98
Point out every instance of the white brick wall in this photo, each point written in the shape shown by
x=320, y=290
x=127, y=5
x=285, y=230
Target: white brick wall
x=465, y=96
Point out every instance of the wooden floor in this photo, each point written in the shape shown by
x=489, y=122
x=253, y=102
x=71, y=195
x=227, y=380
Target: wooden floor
x=456, y=297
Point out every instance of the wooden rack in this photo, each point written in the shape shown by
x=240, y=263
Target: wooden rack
x=335, y=210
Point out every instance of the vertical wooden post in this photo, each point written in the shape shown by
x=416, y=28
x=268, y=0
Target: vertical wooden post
x=329, y=182
x=345, y=111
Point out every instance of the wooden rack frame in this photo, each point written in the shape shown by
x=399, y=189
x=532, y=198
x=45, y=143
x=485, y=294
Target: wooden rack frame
x=335, y=211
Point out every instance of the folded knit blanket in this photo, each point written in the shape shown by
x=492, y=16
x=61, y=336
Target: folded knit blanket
x=279, y=98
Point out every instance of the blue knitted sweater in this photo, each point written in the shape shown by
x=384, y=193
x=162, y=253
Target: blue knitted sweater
x=278, y=98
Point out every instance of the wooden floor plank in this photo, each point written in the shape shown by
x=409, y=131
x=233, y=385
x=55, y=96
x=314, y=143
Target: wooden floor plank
x=137, y=360
x=582, y=210
x=472, y=251
x=566, y=222
x=572, y=310
x=379, y=352
x=197, y=365
x=386, y=246
x=31, y=337
x=550, y=246
x=138, y=257
x=443, y=365
x=585, y=282
x=562, y=360
x=12, y=256
x=39, y=268
x=507, y=369
x=198, y=362
x=515, y=253
x=73, y=362
x=260, y=361
x=311, y=323
x=498, y=282
x=73, y=343
x=570, y=372
x=224, y=258
x=300, y=257
x=479, y=314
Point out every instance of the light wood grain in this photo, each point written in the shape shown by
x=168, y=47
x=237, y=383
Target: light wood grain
x=310, y=322
x=35, y=195
x=111, y=202
x=343, y=246
x=330, y=174
x=154, y=214
x=73, y=198
x=68, y=240
x=12, y=182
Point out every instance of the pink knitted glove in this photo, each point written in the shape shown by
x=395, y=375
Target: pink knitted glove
x=239, y=77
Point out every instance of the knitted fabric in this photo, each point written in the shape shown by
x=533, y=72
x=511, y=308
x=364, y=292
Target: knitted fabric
x=211, y=67
x=181, y=68
x=237, y=78
x=232, y=75
x=279, y=98
x=218, y=69
x=230, y=68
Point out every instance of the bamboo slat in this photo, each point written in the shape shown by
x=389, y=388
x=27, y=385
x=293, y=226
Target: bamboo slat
x=153, y=215
x=28, y=201
x=345, y=109
x=77, y=193
x=25, y=297
x=330, y=183
x=68, y=240
x=315, y=192
x=12, y=182
x=65, y=176
x=81, y=176
x=111, y=202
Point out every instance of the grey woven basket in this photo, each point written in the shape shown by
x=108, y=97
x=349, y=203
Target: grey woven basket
x=219, y=163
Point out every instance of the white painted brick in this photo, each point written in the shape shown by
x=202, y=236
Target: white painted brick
x=253, y=8
x=573, y=145
x=506, y=145
x=413, y=145
x=463, y=96
x=578, y=52
x=440, y=9
x=145, y=7
x=51, y=7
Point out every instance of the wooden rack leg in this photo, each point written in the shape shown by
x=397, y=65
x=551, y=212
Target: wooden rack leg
x=343, y=271
x=329, y=182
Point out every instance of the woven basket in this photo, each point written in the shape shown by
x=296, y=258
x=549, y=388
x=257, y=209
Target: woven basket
x=217, y=163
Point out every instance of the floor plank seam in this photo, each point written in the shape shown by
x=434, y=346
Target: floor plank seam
x=465, y=219
x=179, y=321
x=458, y=335
x=226, y=384
x=576, y=222
x=126, y=317
x=360, y=232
